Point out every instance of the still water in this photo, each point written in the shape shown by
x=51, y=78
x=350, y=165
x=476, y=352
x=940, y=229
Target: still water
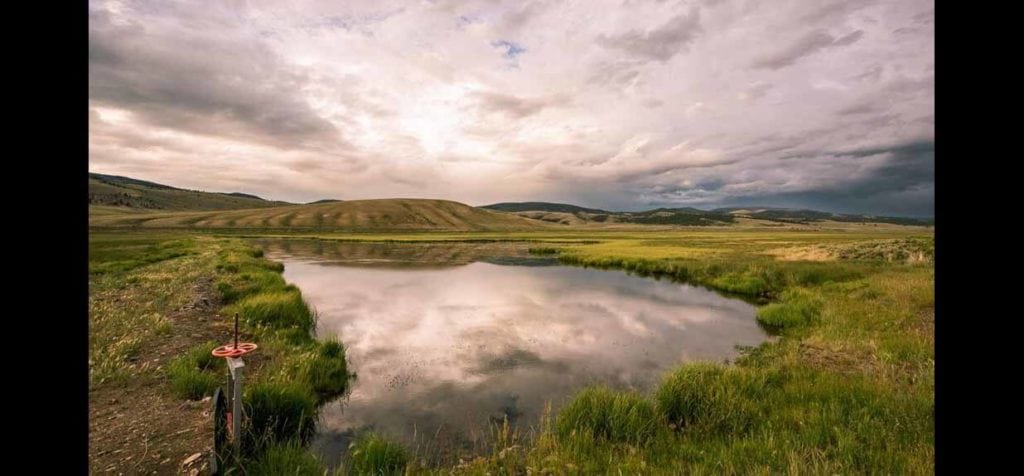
x=447, y=339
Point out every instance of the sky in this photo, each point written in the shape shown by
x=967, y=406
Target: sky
x=622, y=105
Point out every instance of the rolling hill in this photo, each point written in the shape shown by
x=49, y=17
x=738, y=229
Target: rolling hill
x=540, y=206
x=567, y=214
x=126, y=202
x=128, y=193
x=398, y=214
x=804, y=216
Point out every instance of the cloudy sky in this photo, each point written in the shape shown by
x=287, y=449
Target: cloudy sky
x=620, y=104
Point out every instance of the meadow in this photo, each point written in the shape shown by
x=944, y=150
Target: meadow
x=847, y=387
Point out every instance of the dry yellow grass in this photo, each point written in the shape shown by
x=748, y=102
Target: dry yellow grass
x=384, y=214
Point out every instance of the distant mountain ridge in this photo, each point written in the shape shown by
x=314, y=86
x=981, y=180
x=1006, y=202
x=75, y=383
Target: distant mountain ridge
x=573, y=214
x=541, y=206
x=119, y=201
x=130, y=193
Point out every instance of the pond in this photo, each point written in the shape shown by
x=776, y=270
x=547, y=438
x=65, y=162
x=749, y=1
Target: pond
x=448, y=340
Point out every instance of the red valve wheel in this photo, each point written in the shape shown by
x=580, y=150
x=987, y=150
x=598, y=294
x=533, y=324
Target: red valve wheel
x=230, y=350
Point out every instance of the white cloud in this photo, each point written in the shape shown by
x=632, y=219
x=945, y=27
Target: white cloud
x=480, y=101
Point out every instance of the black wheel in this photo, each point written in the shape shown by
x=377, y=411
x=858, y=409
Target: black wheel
x=221, y=446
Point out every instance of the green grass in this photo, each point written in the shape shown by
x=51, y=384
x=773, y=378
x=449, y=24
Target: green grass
x=279, y=412
x=325, y=369
x=286, y=459
x=599, y=412
x=197, y=373
x=274, y=309
x=797, y=307
x=372, y=454
x=740, y=283
x=292, y=375
x=709, y=398
x=848, y=386
x=131, y=252
x=134, y=285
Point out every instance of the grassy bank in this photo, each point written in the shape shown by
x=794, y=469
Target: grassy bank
x=290, y=376
x=848, y=387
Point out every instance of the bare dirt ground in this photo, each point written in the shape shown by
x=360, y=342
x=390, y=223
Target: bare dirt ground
x=137, y=426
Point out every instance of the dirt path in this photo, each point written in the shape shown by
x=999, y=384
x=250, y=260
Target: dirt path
x=138, y=426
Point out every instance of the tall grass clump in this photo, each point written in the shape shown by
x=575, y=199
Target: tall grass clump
x=236, y=286
x=599, y=412
x=741, y=283
x=197, y=373
x=118, y=256
x=796, y=308
x=275, y=309
x=278, y=412
x=286, y=459
x=811, y=274
x=371, y=453
x=706, y=397
x=322, y=368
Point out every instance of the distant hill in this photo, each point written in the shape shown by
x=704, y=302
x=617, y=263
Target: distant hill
x=116, y=191
x=124, y=201
x=567, y=214
x=541, y=207
x=787, y=215
x=396, y=214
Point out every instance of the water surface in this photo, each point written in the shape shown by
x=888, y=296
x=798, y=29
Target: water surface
x=448, y=338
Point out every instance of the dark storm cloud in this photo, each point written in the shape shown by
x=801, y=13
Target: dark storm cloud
x=902, y=185
x=661, y=43
x=214, y=81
